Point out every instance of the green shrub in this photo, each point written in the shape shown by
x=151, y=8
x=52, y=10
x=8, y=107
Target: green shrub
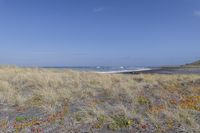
x=119, y=122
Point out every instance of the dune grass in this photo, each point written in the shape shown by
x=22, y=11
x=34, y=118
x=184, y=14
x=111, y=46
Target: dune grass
x=155, y=102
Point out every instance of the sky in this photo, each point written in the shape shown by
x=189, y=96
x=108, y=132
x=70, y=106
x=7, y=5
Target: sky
x=99, y=32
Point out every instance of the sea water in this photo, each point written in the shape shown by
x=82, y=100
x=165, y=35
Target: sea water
x=104, y=69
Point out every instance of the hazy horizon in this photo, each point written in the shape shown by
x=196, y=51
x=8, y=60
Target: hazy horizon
x=99, y=33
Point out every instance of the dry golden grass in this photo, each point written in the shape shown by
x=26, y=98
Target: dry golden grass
x=163, y=100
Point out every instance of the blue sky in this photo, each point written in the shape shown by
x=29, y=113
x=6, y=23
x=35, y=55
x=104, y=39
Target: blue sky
x=99, y=32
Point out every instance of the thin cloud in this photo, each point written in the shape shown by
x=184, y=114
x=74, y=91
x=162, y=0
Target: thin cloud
x=197, y=13
x=98, y=9
x=44, y=52
x=57, y=53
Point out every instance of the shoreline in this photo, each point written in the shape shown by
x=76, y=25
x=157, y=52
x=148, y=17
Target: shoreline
x=159, y=70
x=178, y=70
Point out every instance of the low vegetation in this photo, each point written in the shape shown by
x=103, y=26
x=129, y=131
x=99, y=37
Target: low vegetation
x=195, y=64
x=100, y=102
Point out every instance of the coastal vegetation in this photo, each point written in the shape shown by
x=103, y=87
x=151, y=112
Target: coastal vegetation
x=195, y=64
x=72, y=101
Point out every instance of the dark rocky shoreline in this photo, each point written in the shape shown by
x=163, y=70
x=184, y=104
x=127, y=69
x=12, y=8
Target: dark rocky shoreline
x=171, y=70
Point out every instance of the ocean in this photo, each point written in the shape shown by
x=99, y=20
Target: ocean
x=103, y=69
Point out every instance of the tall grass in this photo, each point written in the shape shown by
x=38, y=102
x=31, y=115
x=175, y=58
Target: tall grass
x=160, y=99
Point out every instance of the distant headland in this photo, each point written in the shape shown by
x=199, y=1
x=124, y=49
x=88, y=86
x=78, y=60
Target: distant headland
x=193, y=64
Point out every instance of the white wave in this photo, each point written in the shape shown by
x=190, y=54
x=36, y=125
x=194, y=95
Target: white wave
x=126, y=71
